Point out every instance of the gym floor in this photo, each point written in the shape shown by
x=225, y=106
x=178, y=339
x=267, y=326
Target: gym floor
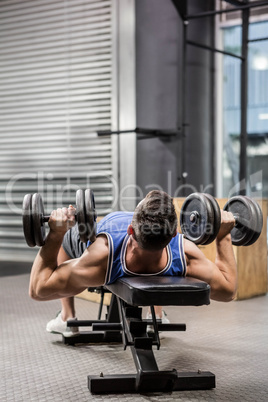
x=230, y=340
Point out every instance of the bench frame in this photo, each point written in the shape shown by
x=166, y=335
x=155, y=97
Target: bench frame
x=124, y=324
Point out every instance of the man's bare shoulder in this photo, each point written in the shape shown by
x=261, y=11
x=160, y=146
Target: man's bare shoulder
x=192, y=251
x=97, y=253
x=101, y=243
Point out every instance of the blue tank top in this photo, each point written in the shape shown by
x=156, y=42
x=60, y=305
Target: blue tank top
x=114, y=226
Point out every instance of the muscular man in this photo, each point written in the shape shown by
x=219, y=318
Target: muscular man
x=143, y=243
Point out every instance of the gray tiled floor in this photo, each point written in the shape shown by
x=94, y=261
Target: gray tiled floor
x=230, y=340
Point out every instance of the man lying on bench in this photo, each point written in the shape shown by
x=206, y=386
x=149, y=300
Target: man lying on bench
x=143, y=243
x=143, y=261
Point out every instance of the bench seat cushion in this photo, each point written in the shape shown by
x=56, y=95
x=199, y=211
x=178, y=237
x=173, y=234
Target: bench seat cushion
x=161, y=291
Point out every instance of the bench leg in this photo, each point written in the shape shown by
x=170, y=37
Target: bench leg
x=151, y=381
x=148, y=377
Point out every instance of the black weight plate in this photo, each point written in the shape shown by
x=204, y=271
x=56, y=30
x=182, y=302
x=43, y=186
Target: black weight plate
x=244, y=214
x=91, y=215
x=38, y=213
x=259, y=222
x=196, y=218
x=217, y=219
x=81, y=216
x=27, y=221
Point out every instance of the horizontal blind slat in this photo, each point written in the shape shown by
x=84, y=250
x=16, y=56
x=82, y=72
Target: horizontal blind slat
x=33, y=20
x=74, y=31
x=88, y=63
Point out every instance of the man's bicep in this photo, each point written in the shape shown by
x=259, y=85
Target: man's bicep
x=75, y=275
x=67, y=277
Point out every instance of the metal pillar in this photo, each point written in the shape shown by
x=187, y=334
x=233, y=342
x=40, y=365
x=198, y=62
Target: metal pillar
x=244, y=104
x=184, y=124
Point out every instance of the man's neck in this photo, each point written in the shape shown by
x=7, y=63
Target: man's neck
x=142, y=261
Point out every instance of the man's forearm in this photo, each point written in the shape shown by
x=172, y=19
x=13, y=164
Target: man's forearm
x=45, y=262
x=225, y=261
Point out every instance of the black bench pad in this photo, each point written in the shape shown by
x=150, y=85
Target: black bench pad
x=161, y=291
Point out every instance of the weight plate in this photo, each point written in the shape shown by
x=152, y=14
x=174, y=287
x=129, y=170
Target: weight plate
x=197, y=218
x=27, y=220
x=259, y=222
x=37, y=215
x=90, y=215
x=81, y=215
x=244, y=213
x=217, y=219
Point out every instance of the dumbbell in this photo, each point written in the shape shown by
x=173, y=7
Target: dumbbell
x=200, y=219
x=34, y=219
x=248, y=220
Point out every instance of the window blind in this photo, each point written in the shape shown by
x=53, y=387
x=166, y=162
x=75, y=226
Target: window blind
x=55, y=93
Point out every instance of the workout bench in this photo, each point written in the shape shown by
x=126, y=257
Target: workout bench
x=124, y=323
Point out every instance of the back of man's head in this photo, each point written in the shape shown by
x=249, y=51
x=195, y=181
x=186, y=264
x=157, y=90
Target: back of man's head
x=154, y=221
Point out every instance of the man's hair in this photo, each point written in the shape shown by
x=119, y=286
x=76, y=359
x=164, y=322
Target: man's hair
x=154, y=221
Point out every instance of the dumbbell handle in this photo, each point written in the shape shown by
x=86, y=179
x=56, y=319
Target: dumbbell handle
x=236, y=218
x=195, y=216
x=45, y=218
